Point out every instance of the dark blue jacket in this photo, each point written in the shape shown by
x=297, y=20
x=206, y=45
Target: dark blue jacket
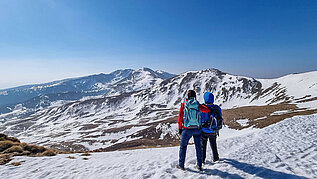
x=209, y=100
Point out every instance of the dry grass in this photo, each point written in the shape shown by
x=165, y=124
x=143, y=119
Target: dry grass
x=255, y=113
x=34, y=149
x=71, y=157
x=5, y=158
x=10, y=146
x=69, y=147
x=259, y=116
x=16, y=163
x=25, y=152
x=49, y=152
x=4, y=137
x=15, y=148
x=6, y=144
x=85, y=154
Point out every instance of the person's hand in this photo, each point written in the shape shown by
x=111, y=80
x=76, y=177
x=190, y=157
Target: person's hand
x=180, y=131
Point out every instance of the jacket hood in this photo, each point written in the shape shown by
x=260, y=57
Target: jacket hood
x=192, y=103
x=209, y=98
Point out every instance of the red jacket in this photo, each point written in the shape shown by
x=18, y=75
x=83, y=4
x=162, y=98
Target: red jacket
x=202, y=108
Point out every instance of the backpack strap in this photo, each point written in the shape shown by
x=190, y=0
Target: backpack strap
x=218, y=115
x=210, y=117
x=186, y=114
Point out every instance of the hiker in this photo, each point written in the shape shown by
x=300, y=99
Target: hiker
x=211, y=123
x=189, y=125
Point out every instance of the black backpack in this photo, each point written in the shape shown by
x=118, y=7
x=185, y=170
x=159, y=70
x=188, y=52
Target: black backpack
x=214, y=115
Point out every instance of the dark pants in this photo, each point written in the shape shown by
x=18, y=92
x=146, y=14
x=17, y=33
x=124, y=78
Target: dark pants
x=213, y=144
x=186, y=135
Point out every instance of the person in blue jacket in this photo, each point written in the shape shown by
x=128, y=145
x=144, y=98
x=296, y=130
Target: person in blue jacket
x=211, y=124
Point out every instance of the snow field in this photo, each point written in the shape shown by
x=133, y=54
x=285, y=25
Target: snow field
x=287, y=149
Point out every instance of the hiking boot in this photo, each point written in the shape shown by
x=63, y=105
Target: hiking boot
x=199, y=168
x=180, y=167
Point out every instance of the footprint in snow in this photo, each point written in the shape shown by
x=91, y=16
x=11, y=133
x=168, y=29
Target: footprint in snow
x=174, y=164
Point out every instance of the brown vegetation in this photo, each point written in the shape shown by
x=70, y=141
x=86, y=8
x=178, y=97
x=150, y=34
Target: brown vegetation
x=15, y=148
x=4, y=137
x=35, y=149
x=16, y=163
x=85, y=154
x=5, y=158
x=261, y=116
x=5, y=145
x=258, y=116
x=70, y=157
x=50, y=152
x=307, y=100
x=69, y=147
x=10, y=147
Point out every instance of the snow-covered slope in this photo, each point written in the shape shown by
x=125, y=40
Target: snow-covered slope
x=287, y=149
x=147, y=117
x=33, y=98
x=296, y=88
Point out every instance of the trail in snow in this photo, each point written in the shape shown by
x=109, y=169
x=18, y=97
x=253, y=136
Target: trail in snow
x=287, y=149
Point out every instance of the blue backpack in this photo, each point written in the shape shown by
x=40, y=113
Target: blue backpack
x=191, y=118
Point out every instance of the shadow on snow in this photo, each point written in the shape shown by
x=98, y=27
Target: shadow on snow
x=247, y=168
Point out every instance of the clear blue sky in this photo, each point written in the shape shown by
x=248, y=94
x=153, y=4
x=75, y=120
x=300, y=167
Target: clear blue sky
x=44, y=40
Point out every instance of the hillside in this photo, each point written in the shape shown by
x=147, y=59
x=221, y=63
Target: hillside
x=33, y=98
x=147, y=118
x=284, y=150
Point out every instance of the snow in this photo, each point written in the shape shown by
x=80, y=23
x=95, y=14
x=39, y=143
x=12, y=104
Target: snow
x=64, y=123
x=260, y=118
x=297, y=85
x=4, y=93
x=49, y=123
x=40, y=87
x=281, y=112
x=226, y=132
x=287, y=149
x=309, y=105
x=243, y=122
x=172, y=129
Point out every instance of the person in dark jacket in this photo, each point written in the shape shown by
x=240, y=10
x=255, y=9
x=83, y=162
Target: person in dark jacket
x=210, y=128
x=189, y=126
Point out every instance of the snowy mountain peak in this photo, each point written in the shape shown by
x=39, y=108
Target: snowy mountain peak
x=136, y=106
x=117, y=82
x=158, y=73
x=146, y=69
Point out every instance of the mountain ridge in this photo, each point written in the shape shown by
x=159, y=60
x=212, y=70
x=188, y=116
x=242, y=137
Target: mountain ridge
x=148, y=116
x=91, y=85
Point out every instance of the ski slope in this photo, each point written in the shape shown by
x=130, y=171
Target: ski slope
x=287, y=149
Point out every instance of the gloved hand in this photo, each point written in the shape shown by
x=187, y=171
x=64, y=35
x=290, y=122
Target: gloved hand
x=180, y=131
